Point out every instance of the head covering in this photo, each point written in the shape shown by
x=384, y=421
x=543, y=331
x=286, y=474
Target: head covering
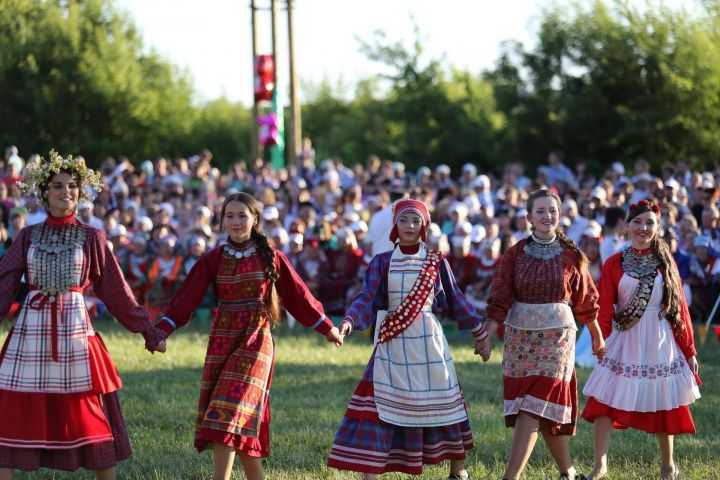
x=641, y=207
x=701, y=241
x=478, y=233
x=401, y=207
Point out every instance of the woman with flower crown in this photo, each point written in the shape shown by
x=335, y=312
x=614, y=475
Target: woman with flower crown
x=649, y=374
x=408, y=409
x=540, y=289
x=58, y=384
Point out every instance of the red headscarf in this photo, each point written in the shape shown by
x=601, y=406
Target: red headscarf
x=404, y=206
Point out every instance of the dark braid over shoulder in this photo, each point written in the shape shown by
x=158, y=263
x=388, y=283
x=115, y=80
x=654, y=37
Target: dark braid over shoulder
x=267, y=253
x=567, y=242
x=671, y=298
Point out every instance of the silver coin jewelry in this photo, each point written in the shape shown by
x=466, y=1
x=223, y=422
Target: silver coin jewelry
x=543, y=249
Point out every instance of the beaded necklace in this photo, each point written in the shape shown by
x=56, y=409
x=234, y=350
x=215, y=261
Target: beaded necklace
x=53, y=266
x=543, y=249
x=244, y=251
x=644, y=268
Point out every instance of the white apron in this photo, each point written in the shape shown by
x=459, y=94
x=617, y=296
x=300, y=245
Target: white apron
x=413, y=374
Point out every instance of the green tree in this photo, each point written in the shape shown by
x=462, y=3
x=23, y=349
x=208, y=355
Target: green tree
x=608, y=80
x=74, y=77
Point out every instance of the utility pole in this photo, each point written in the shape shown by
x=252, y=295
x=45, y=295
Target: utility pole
x=254, y=127
x=295, y=130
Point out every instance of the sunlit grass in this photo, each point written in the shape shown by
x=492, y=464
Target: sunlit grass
x=312, y=384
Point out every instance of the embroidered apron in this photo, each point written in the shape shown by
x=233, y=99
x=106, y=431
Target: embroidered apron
x=240, y=351
x=540, y=341
x=414, y=377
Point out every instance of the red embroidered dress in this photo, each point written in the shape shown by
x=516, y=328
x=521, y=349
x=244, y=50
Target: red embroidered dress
x=644, y=381
x=538, y=300
x=58, y=384
x=233, y=408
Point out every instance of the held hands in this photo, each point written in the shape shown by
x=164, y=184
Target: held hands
x=344, y=328
x=483, y=348
x=334, y=335
x=598, y=347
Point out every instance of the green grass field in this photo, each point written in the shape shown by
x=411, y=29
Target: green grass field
x=312, y=384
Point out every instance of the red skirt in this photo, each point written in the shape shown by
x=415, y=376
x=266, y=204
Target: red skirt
x=673, y=422
x=66, y=431
x=92, y=456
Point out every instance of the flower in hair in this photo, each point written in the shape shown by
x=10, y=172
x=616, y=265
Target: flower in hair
x=38, y=175
x=648, y=204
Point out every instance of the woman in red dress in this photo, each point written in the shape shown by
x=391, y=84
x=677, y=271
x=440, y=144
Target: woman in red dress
x=58, y=384
x=540, y=288
x=649, y=375
x=248, y=277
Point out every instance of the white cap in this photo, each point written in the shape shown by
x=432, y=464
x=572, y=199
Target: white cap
x=477, y=234
x=521, y=213
x=84, y=205
x=296, y=238
x=481, y=181
x=463, y=228
x=145, y=223
x=672, y=183
x=618, y=168
x=569, y=204
x=359, y=226
x=351, y=216
x=599, y=193
x=460, y=241
x=168, y=208
x=281, y=234
x=459, y=208
x=442, y=168
x=707, y=183
x=118, y=231
x=270, y=213
x=131, y=204
x=204, y=211
x=593, y=230
x=469, y=168
x=643, y=177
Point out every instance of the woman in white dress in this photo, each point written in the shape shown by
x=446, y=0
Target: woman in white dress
x=649, y=374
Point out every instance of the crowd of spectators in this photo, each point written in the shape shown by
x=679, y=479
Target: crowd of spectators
x=330, y=219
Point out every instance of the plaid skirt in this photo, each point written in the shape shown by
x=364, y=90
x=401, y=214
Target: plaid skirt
x=93, y=456
x=373, y=446
x=366, y=444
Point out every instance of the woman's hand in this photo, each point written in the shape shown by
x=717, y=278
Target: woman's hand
x=598, y=347
x=483, y=348
x=334, y=336
x=693, y=363
x=345, y=328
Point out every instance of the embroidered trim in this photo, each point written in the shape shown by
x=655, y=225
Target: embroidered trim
x=644, y=268
x=542, y=249
x=405, y=313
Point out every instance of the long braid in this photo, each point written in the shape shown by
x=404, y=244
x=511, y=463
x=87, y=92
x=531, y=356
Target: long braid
x=267, y=253
x=671, y=285
x=568, y=243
